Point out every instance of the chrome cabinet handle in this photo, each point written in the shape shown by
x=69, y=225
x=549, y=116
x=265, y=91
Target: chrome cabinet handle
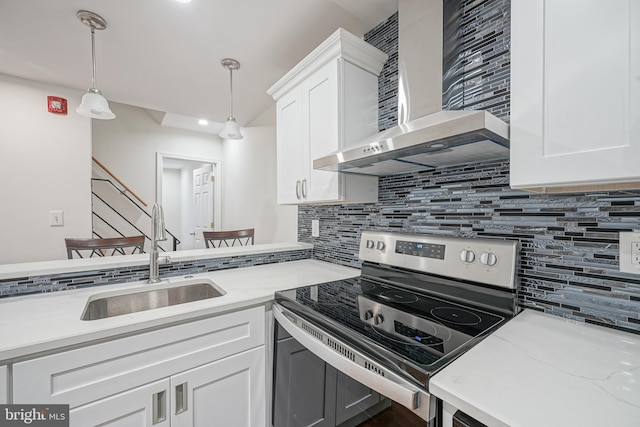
x=298, y=189
x=159, y=407
x=304, y=188
x=181, y=398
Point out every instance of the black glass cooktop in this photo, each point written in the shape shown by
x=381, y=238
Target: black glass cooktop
x=421, y=328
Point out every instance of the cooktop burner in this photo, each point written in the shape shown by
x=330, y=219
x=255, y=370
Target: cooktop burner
x=396, y=295
x=457, y=316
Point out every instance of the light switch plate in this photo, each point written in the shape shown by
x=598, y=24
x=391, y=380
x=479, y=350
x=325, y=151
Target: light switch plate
x=56, y=218
x=630, y=252
x=315, y=228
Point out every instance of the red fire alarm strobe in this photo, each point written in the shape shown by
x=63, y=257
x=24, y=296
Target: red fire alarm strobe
x=57, y=105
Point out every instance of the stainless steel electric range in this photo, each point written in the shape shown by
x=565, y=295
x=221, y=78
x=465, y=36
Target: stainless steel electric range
x=420, y=302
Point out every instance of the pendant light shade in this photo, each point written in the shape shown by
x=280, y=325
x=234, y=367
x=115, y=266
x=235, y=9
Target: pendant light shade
x=93, y=104
x=231, y=129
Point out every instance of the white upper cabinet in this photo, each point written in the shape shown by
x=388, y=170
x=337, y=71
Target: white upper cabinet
x=327, y=102
x=575, y=95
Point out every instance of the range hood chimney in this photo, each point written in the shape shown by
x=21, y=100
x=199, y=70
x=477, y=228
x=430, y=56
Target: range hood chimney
x=426, y=137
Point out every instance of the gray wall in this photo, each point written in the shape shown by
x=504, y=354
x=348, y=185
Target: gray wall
x=569, y=257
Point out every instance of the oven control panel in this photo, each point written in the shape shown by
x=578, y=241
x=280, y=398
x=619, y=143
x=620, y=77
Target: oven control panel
x=427, y=250
x=489, y=261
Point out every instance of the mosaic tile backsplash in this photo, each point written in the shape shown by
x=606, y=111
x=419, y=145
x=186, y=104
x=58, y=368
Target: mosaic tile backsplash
x=569, y=243
x=64, y=281
x=384, y=36
x=476, y=59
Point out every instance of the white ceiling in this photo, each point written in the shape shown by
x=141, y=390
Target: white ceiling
x=165, y=55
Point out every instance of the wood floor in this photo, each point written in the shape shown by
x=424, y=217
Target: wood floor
x=395, y=415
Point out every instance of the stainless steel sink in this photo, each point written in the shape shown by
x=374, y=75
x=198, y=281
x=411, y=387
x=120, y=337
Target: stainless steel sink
x=109, y=305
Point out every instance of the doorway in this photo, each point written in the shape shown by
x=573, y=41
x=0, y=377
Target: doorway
x=189, y=189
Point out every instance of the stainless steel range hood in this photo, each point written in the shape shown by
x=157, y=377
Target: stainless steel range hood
x=441, y=139
x=427, y=137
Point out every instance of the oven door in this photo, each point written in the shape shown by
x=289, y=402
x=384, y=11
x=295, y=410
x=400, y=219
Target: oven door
x=354, y=364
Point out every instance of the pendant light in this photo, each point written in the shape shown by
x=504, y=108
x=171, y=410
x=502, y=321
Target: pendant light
x=231, y=129
x=93, y=104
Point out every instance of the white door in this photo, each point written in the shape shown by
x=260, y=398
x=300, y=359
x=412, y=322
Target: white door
x=229, y=392
x=203, y=188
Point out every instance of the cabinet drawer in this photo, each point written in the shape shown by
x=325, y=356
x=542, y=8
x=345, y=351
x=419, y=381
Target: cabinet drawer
x=86, y=374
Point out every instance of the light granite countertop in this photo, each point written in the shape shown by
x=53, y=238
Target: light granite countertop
x=543, y=370
x=37, y=323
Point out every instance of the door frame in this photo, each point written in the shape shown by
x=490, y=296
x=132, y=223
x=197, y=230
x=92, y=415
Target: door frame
x=217, y=163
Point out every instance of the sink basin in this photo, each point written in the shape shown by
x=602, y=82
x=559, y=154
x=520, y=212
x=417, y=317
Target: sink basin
x=116, y=304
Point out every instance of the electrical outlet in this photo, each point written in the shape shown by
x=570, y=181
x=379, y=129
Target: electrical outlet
x=315, y=228
x=629, y=252
x=635, y=253
x=56, y=218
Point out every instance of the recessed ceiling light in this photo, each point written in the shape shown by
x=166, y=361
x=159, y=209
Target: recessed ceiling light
x=183, y=1
x=201, y=122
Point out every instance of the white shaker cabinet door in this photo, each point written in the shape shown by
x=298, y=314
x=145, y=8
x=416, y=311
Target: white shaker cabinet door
x=307, y=129
x=575, y=94
x=229, y=392
x=290, y=151
x=4, y=385
x=320, y=95
x=144, y=406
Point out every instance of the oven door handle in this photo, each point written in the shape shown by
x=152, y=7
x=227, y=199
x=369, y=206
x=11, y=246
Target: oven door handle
x=390, y=385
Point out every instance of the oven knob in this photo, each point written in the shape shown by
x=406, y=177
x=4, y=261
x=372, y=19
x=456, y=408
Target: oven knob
x=489, y=258
x=380, y=245
x=378, y=319
x=467, y=256
x=368, y=314
x=370, y=244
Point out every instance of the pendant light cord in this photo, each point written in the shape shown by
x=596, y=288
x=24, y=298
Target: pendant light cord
x=231, y=93
x=93, y=56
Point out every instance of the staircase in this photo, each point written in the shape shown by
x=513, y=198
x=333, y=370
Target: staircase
x=116, y=211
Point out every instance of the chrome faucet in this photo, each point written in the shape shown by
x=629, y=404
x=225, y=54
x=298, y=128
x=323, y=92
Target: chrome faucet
x=158, y=233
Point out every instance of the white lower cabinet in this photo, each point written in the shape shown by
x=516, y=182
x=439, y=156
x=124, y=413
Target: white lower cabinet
x=142, y=406
x=4, y=385
x=192, y=374
x=229, y=392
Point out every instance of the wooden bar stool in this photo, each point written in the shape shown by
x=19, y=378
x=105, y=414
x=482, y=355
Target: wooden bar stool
x=104, y=247
x=217, y=239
